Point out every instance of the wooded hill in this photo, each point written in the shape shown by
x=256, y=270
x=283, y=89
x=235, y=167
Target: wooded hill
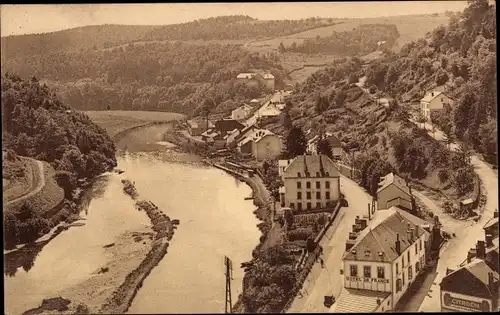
x=361, y=40
x=459, y=58
x=106, y=36
x=174, y=77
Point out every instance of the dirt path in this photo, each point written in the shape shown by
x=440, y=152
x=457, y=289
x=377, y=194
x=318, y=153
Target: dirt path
x=35, y=188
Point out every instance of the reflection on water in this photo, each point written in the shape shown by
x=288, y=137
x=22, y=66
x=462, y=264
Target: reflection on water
x=215, y=220
x=73, y=255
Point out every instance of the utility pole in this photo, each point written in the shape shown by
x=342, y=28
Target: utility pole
x=228, y=274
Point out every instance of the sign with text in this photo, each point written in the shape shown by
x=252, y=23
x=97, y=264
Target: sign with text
x=464, y=303
x=358, y=279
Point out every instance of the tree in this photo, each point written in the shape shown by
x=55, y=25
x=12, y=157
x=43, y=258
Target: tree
x=281, y=48
x=11, y=231
x=443, y=175
x=323, y=146
x=296, y=143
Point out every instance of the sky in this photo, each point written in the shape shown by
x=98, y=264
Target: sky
x=29, y=19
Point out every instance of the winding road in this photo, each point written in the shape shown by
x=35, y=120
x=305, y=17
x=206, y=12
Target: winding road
x=35, y=187
x=328, y=280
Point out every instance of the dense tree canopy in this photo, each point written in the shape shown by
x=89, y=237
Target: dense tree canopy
x=38, y=125
x=157, y=76
x=361, y=40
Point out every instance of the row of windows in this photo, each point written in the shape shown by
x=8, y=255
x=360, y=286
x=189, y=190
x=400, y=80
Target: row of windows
x=417, y=246
x=327, y=174
x=367, y=271
x=308, y=195
x=308, y=185
x=401, y=282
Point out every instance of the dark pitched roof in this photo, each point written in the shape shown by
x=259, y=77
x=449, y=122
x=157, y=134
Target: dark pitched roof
x=393, y=179
x=225, y=125
x=378, y=240
x=312, y=164
x=474, y=275
x=491, y=223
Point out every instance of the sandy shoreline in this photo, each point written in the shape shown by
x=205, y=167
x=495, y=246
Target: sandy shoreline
x=112, y=287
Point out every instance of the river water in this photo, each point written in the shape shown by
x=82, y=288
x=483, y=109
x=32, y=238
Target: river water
x=215, y=220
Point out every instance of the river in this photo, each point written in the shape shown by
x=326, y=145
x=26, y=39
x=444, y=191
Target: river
x=215, y=220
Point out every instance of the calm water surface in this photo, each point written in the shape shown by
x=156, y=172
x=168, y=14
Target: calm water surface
x=215, y=220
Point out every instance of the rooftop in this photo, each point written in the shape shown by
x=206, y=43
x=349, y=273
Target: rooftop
x=378, y=240
x=391, y=178
x=312, y=166
x=491, y=222
x=430, y=95
x=358, y=301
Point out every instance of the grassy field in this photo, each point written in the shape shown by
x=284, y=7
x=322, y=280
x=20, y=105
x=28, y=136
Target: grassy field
x=410, y=27
x=116, y=121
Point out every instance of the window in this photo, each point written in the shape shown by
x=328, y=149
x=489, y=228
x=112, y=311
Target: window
x=309, y=206
x=299, y=185
x=380, y=272
x=397, y=268
x=327, y=184
x=308, y=185
x=354, y=270
x=420, y=244
x=417, y=266
x=367, y=271
x=317, y=174
x=318, y=195
x=410, y=273
x=327, y=195
x=416, y=249
x=318, y=185
x=298, y=174
x=299, y=206
x=409, y=260
x=402, y=261
x=403, y=277
x=398, y=285
x=318, y=205
x=308, y=194
x=299, y=195
x=292, y=205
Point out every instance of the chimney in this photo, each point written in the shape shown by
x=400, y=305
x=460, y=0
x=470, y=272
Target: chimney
x=398, y=244
x=480, y=250
x=349, y=244
x=471, y=254
x=417, y=229
x=489, y=240
x=412, y=235
x=432, y=93
x=495, y=213
x=355, y=228
x=363, y=224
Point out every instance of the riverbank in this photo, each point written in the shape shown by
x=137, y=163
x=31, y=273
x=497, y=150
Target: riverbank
x=112, y=287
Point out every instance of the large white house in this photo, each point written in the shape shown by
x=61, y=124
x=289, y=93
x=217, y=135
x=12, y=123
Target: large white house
x=242, y=112
x=434, y=101
x=262, y=144
x=382, y=259
x=310, y=182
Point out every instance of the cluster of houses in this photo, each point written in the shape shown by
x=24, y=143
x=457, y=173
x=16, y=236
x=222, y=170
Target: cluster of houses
x=475, y=286
x=251, y=78
x=386, y=251
x=335, y=144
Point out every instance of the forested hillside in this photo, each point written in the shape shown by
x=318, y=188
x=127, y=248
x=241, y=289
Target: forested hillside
x=105, y=36
x=361, y=40
x=156, y=76
x=459, y=58
x=36, y=124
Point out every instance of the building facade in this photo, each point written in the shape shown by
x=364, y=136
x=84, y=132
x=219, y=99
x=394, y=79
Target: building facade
x=262, y=144
x=393, y=191
x=335, y=145
x=242, y=112
x=310, y=182
x=197, y=127
x=434, y=101
x=385, y=255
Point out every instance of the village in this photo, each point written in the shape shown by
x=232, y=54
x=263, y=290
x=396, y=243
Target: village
x=381, y=251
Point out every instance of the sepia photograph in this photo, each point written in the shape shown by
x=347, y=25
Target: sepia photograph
x=250, y=157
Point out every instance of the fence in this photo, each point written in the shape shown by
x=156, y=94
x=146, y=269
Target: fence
x=307, y=260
